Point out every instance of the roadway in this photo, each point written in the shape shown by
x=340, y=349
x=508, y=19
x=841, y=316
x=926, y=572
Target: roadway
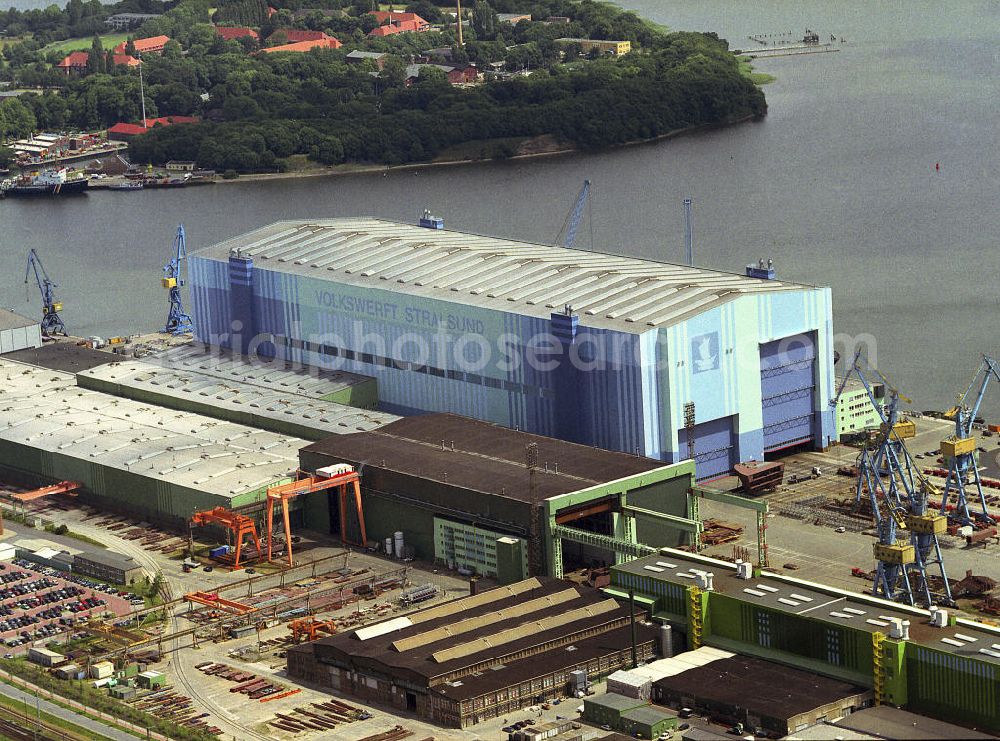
x=58, y=711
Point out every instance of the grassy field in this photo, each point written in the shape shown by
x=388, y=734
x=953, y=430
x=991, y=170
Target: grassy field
x=108, y=40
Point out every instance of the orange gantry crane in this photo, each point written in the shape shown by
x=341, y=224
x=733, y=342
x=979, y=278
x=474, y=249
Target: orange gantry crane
x=340, y=476
x=310, y=628
x=63, y=487
x=239, y=525
x=212, y=599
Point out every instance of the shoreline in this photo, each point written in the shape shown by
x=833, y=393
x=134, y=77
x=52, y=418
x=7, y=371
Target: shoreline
x=345, y=170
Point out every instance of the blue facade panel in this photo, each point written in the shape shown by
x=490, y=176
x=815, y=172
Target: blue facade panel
x=714, y=447
x=209, y=284
x=550, y=375
x=788, y=390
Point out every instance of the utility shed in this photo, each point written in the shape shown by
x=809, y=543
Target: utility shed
x=123, y=692
x=607, y=709
x=18, y=332
x=102, y=670
x=44, y=657
x=647, y=722
x=151, y=680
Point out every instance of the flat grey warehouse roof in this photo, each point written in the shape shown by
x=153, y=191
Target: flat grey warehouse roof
x=12, y=320
x=212, y=392
x=608, y=291
x=48, y=411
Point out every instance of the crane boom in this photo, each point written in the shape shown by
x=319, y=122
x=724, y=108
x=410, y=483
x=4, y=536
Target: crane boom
x=574, y=217
x=52, y=323
x=989, y=369
x=960, y=450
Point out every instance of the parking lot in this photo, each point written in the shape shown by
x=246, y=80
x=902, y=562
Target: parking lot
x=41, y=602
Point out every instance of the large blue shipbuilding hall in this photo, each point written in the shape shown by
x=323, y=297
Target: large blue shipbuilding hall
x=632, y=355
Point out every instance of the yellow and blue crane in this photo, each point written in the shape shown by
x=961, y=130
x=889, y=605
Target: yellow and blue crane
x=52, y=323
x=892, y=481
x=959, y=448
x=178, y=320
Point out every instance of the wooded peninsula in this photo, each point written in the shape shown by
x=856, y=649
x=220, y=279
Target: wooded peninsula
x=268, y=87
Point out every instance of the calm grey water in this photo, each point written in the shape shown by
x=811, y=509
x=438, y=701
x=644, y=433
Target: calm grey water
x=838, y=185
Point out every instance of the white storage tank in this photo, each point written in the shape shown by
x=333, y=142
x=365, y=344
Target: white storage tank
x=398, y=536
x=388, y=547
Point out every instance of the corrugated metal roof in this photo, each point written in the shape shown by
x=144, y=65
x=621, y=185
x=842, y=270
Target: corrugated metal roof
x=297, y=401
x=46, y=410
x=624, y=293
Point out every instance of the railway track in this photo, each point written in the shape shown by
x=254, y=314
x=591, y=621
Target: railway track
x=231, y=728
x=14, y=726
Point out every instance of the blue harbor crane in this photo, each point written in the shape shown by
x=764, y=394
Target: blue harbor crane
x=178, y=320
x=959, y=449
x=893, y=482
x=885, y=464
x=567, y=234
x=52, y=323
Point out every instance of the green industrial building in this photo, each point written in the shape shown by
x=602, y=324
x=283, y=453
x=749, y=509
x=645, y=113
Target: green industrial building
x=503, y=503
x=608, y=709
x=951, y=671
x=647, y=722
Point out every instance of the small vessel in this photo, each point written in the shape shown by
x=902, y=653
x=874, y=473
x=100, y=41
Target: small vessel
x=126, y=185
x=46, y=183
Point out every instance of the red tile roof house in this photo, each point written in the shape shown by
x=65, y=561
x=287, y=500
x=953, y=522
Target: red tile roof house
x=125, y=131
x=120, y=59
x=295, y=35
x=235, y=32
x=383, y=31
x=152, y=45
x=412, y=21
x=168, y=120
x=77, y=62
x=456, y=75
x=303, y=46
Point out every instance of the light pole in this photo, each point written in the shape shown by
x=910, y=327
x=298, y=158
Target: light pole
x=142, y=91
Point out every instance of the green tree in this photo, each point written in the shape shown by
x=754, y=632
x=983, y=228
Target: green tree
x=393, y=74
x=431, y=75
x=95, y=58
x=426, y=10
x=16, y=119
x=484, y=20
x=6, y=157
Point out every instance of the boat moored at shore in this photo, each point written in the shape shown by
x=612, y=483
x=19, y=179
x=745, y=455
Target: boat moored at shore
x=53, y=182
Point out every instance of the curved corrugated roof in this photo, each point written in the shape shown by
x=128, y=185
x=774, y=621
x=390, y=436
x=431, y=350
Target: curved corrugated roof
x=624, y=293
